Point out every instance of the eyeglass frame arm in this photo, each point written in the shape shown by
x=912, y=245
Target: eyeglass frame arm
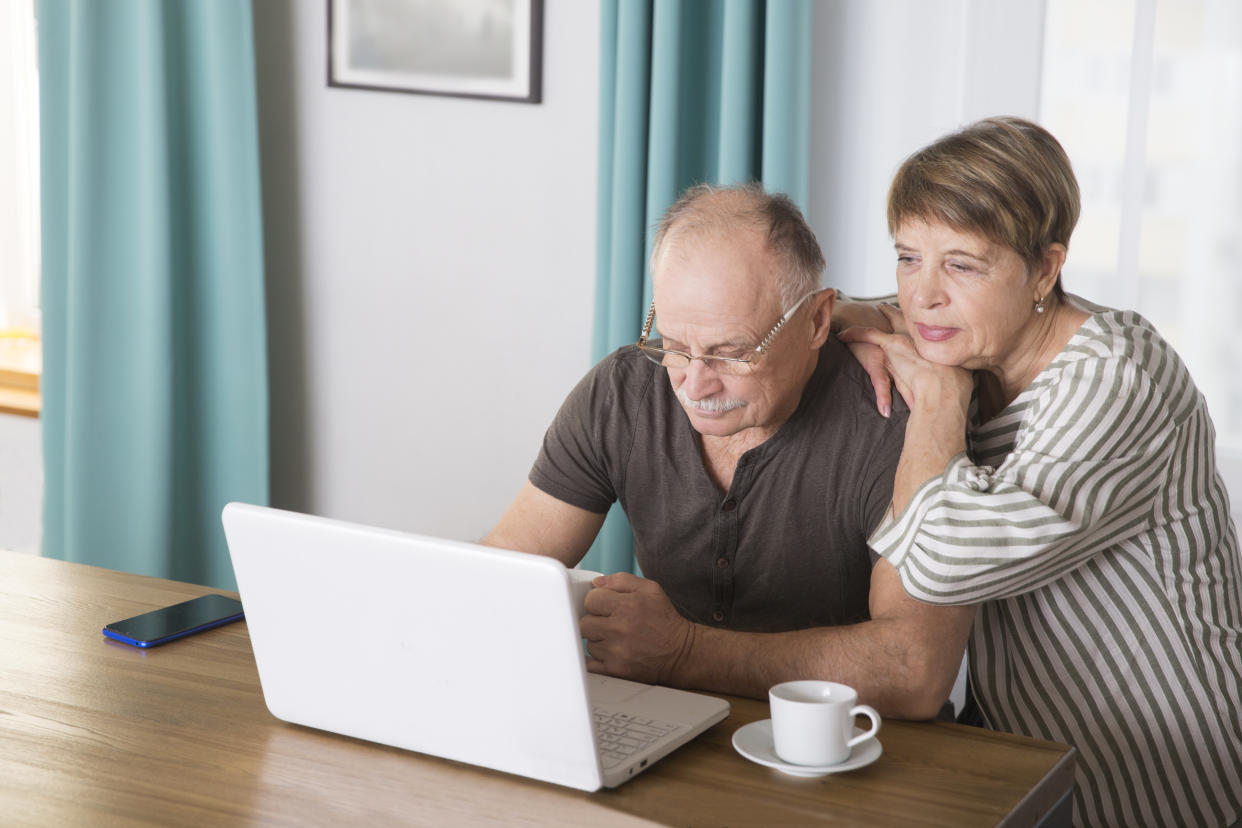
x=760, y=349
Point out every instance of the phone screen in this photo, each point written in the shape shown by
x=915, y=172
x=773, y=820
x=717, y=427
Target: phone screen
x=179, y=620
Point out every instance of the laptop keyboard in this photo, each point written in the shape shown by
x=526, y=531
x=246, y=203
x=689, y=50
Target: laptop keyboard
x=621, y=735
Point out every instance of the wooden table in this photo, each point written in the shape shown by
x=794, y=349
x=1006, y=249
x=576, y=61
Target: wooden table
x=93, y=732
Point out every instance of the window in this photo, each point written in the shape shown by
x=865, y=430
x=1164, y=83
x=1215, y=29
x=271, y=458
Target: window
x=1146, y=96
x=19, y=209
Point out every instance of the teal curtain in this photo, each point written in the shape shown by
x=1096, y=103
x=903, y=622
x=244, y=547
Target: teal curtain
x=691, y=91
x=155, y=410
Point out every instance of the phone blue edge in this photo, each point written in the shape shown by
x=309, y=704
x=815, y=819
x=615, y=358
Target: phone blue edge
x=125, y=639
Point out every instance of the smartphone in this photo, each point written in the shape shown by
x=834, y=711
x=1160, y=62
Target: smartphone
x=170, y=623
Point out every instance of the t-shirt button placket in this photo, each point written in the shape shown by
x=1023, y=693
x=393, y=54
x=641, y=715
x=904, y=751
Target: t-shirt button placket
x=723, y=563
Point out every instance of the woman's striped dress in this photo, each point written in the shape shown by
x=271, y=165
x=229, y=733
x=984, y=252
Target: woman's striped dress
x=1091, y=524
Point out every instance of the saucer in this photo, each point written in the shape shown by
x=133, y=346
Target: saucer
x=754, y=741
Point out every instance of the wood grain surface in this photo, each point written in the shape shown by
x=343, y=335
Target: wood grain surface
x=94, y=732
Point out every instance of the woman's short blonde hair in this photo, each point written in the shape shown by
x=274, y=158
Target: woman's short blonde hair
x=1005, y=179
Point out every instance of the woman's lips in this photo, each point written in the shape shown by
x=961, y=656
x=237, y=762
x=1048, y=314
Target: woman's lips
x=935, y=333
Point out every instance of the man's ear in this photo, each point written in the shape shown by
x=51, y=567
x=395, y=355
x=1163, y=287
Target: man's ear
x=821, y=316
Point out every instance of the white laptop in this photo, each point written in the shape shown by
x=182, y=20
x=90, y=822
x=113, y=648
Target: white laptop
x=442, y=647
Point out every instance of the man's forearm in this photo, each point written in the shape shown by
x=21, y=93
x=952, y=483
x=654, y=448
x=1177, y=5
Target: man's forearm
x=893, y=668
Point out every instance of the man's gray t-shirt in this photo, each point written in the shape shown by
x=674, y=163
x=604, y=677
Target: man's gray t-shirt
x=786, y=547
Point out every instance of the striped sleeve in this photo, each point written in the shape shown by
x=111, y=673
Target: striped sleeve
x=1091, y=453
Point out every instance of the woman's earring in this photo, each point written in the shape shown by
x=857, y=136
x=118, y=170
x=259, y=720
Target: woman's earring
x=1041, y=304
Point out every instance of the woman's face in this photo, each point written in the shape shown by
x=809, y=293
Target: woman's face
x=967, y=302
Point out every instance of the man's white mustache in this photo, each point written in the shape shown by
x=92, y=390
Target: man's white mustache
x=715, y=405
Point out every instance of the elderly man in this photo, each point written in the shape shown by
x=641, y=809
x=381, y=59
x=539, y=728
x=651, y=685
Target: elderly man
x=744, y=445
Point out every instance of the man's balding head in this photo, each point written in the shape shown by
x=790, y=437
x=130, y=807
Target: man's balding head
x=705, y=213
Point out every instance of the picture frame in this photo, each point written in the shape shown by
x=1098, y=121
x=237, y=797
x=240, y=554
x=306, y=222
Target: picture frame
x=490, y=49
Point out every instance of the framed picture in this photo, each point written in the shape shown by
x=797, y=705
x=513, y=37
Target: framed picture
x=470, y=48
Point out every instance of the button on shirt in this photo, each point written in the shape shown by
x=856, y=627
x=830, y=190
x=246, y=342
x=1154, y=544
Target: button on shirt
x=786, y=547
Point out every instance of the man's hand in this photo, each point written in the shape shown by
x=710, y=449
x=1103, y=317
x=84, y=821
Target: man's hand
x=633, y=631
x=902, y=662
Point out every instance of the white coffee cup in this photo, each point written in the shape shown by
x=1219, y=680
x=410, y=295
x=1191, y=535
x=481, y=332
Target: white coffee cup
x=579, y=586
x=813, y=722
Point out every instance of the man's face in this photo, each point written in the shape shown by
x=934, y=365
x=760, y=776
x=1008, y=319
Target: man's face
x=718, y=296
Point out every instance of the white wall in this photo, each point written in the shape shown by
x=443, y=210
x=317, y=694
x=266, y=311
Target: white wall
x=394, y=221
x=431, y=260
x=890, y=76
x=431, y=266
x=21, y=483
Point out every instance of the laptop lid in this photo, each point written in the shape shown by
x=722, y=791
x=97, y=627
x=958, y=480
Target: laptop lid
x=437, y=646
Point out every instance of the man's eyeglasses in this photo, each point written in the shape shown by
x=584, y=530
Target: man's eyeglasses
x=655, y=351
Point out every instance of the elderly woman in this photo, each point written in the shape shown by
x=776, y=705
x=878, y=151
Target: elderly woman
x=1058, y=470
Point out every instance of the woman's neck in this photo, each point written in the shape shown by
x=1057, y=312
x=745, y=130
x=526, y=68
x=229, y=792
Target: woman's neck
x=1050, y=334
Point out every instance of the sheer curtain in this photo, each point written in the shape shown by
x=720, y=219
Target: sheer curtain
x=1146, y=96
x=19, y=165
